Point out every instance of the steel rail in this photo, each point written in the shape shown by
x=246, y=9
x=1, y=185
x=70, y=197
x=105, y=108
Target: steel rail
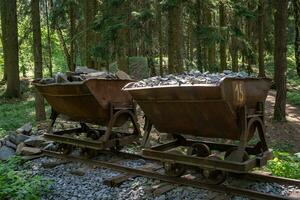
x=273, y=179
x=176, y=180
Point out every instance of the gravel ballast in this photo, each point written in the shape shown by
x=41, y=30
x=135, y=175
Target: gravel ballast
x=89, y=185
x=189, y=78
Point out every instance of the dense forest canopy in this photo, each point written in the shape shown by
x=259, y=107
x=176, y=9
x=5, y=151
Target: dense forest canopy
x=150, y=37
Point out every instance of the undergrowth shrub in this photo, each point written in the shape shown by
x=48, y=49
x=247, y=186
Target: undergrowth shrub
x=19, y=184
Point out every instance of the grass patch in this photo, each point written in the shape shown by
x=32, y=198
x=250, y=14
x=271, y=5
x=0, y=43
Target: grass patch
x=16, y=112
x=16, y=183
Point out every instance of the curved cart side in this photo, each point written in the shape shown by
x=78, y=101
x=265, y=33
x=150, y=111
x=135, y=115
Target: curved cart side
x=96, y=101
x=233, y=109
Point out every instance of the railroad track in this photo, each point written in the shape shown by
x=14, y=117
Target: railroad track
x=193, y=182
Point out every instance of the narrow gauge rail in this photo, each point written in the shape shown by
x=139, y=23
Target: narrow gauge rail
x=184, y=181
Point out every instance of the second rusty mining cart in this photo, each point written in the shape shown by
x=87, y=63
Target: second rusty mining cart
x=96, y=101
x=232, y=109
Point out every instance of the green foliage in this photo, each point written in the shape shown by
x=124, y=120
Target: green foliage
x=19, y=184
x=284, y=165
x=16, y=112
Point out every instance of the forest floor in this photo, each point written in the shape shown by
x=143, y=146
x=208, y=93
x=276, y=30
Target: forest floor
x=283, y=136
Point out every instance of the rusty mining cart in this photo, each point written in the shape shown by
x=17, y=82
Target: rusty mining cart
x=93, y=101
x=232, y=110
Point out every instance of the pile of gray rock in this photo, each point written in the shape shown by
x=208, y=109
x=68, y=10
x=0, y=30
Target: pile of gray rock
x=81, y=74
x=22, y=142
x=190, y=78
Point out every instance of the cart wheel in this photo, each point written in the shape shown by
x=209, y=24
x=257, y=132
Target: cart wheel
x=88, y=153
x=229, y=151
x=65, y=149
x=94, y=134
x=116, y=149
x=199, y=150
x=214, y=177
x=174, y=169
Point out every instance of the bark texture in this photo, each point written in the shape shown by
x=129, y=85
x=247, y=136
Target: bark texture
x=297, y=35
x=261, y=38
x=281, y=15
x=175, y=63
x=11, y=47
x=38, y=59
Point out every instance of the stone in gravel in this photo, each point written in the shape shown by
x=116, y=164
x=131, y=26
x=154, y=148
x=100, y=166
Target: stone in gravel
x=47, y=81
x=25, y=129
x=6, y=153
x=84, y=70
x=19, y=148
x=61, y=78
x=77, y=172
x=50, y=146
x=35, y=141
x=297, y=155
x=17, y=138
x=190, y=78
x=28, y=151
x=122, y=75
x=10, y=144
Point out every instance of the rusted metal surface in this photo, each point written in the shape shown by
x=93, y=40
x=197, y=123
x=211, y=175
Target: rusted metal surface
x=201, y=110
x=97, y=101
x=233, y=109
x=88, y=101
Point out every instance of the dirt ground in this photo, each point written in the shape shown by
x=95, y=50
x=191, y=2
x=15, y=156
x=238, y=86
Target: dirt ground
x=284, y=136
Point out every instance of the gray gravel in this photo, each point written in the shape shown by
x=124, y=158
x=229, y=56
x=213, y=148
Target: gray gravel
x=192, y=77
x=66, y=185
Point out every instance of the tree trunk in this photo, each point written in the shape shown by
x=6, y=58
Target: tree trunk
x=280, y=61
x=64, y=47
x=49, y=40
x=89, y=35
x=297, y=35
x=222, y=18
x=72, y=17
x=234, y=50
x=212, y=45
x=175, y=64
x=3, y=12
x=261, y=39
x=11, y=51
x=198, y=40
x=38, y=60
x=160, y=36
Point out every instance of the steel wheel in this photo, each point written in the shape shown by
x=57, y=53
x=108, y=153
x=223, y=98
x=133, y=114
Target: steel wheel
x=214, y=176
x=229, y=151
x=174, y=169
x=199, y=150
x=65, y=149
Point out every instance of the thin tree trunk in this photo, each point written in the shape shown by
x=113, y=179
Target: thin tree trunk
x=175, y=64
x=280, y=61
x=38, y=59
x=212, y=45
x=3, y=12
x=198, y=40
x=234, y=49
x=64, y=47
x=297, y=35
x=89, y=12
x=49, y=40
x=72, y=33
x=160, y=37
x=222, y=18
x=11, y=51
x=261, y=39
